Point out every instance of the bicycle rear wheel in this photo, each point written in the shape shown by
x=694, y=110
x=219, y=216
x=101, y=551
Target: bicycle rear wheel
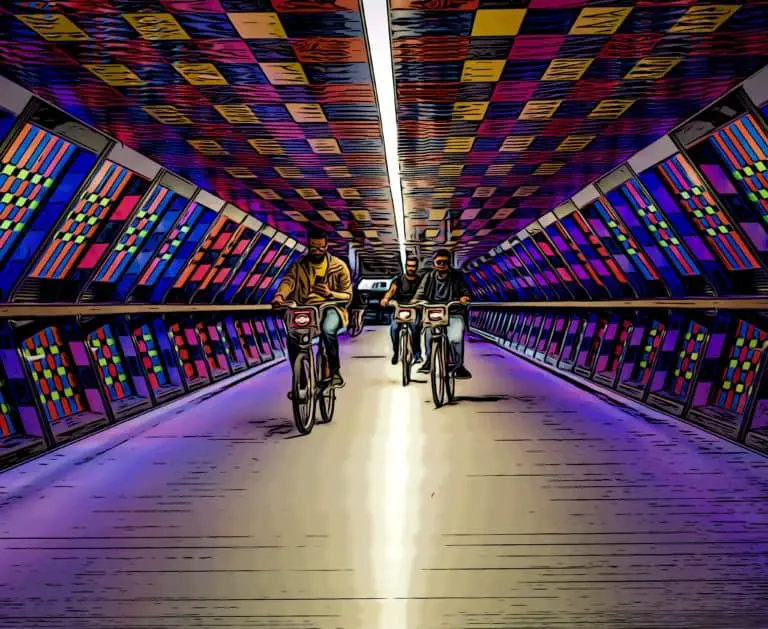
x=303, y=392
x=437, y=372
x=405, y=356
x=327, y=394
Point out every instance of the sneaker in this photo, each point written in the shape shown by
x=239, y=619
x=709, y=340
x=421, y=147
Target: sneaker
x=462, y=373
x=417, y=359
x=337, y=381
x=395, y=359
x=424, y=368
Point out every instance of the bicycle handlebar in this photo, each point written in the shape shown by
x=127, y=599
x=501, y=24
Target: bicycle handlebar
x=292, y=305
x=449, y=305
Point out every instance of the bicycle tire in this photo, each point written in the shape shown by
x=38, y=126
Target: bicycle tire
x=303, y=403
x=327, y=396
x=437, y=372
x=405, y=357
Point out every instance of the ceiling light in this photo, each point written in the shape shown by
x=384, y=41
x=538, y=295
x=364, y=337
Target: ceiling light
x=376, y=15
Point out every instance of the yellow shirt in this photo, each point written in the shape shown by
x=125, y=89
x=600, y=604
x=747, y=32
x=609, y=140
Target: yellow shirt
x=318, y=270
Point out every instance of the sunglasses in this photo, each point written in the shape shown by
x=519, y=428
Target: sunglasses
x=441, y=262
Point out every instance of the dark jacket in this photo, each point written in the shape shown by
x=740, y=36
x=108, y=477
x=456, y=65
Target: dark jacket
x=458, y=287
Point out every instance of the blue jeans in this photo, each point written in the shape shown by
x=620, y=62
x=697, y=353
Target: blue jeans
x=455, y=334
x=394, y=332
x=329, y=337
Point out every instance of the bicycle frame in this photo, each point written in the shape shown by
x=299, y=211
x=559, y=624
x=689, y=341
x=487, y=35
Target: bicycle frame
x=405, y=316
x=437, y=317
x=303, y=326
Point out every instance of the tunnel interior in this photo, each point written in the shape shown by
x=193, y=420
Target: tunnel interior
x=598, y=171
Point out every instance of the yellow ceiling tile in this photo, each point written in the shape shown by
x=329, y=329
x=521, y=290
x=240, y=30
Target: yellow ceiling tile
x=497, y=22
x=516, y=143
x=575, y=143
x=288, y=172
x=566, y=69
x=200, y=73
x=484, y=232
x=704, y=18
x=208, y=147
x=549, y=168
x=610, y=108
x=325, y=145
x=503, y=213
x=266, y=146
x=371, y=233
x=167, y=114
x=483, y=192
x=458, y=145
x=267, y=194
x=345, y=234
x=498, y=170
x=329, y=215
x=437, y=215
x=307, y=193
x=54, y=27
x=241, y=173
x=296, y=216
x=525, y=191
x=156, y=26
x=337, y=172
x=348, y=193
x=470, y=110
x=599, y=20
x=539, y=109
x=258, y=25
x=450, y=170
x=482, y=71
x=361, y=215
x=306, y=112
x=652, y=68
x=114, y=74
x=237, y=114
x=433, y=232
x=285, y=73
x=456, y=232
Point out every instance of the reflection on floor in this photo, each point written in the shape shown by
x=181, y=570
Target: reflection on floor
x=530, y=503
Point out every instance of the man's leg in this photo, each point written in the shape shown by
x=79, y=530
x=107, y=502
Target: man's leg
x=455, y=333
x=394, y=330
x=329, y=336
x=427, y=351
x=416, y=337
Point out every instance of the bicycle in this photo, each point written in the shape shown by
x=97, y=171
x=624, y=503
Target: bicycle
x=441, y=371
x=356, y=322
x=310, y=387
x=405, y=316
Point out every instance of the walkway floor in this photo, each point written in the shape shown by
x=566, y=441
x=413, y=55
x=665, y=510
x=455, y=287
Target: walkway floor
x=531, y=503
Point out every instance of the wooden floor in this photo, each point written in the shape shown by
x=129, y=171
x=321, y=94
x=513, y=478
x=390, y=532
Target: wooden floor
x=529, y=504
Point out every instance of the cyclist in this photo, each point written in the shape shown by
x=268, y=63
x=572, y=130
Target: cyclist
x=441, y=285
x=317, y=278
x=402, y=290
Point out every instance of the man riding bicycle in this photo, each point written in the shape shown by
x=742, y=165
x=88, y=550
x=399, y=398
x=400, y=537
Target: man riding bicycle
x=317, y=278
x=440, y=286
x=402, y=290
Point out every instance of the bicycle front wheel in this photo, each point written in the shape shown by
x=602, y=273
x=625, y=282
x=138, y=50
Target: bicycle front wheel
x=437, y=372
x=303, y=392
x=405, y=356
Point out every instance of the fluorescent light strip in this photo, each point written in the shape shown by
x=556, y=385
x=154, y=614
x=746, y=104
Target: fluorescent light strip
x=376, y=15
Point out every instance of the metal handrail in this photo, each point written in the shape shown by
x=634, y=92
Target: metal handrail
x=719, y=303
x=38, y=311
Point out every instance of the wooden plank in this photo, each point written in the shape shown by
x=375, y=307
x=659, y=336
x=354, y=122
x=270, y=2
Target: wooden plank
x=726, y=303
x=36, y=311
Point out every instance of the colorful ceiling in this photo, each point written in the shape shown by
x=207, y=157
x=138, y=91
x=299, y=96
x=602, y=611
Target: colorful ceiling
x=269, y=105
x=505, y=107
x=508, y=107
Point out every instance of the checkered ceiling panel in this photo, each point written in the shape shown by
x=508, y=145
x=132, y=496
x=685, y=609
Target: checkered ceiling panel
x=508, y=107
x=269, y=105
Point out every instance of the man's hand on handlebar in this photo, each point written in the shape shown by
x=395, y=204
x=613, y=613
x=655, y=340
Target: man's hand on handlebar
x=384, y=302
x=464, y=301
x=278, y=301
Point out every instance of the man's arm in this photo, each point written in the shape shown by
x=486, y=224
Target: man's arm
x=343, y=290
x=421, y=291
x=287, y=284
x=465, y=292
x=390, y=292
